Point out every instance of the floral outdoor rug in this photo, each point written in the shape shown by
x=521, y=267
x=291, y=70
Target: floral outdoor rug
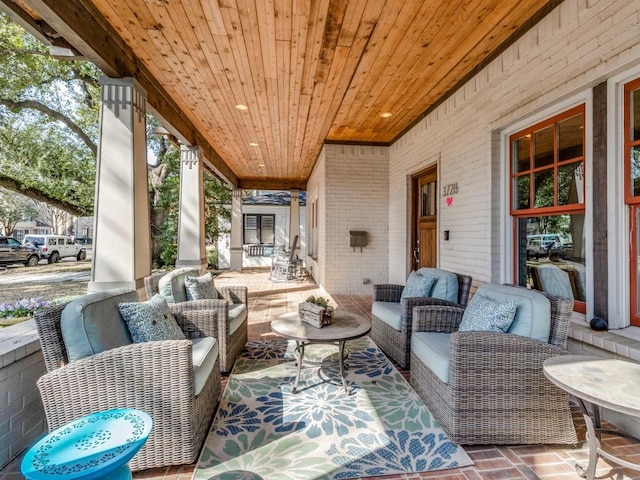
x=263, y=431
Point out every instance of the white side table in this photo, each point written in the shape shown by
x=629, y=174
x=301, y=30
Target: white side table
x=598, y=382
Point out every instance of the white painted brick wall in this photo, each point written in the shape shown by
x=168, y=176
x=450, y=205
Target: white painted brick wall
x=578, y=45
x=22, y=419
x=355, y=197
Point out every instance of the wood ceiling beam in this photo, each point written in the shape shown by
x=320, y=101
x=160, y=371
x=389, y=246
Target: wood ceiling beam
x=87, y=31
x=272, y=184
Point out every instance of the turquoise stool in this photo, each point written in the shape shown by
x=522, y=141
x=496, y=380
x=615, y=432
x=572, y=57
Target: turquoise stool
x=97, y=446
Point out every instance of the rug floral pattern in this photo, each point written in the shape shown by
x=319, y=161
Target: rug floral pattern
x=263, y=431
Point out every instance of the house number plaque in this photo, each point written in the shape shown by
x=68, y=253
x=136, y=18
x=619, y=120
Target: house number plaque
x=450, y=189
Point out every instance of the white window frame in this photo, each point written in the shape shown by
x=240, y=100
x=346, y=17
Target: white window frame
x=619, y=236
x=506, y=221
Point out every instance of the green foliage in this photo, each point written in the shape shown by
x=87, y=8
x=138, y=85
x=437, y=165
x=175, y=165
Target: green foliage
x=13, y=208
x=48, y=121
x=320, y=301
x=166, y=233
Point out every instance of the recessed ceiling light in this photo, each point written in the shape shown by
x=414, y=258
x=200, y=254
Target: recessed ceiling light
x=252, y=144
x=386, y=114
x=261, y=164
x=242, y=107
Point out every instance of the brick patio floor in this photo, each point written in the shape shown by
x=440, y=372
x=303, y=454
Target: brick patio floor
x=267, y=300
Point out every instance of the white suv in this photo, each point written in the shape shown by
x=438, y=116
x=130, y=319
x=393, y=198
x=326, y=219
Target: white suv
x=55, y=247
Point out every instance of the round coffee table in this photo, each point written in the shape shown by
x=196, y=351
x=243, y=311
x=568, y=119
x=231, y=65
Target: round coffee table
x=97, y=446
x=346, y=326
x=598, y=382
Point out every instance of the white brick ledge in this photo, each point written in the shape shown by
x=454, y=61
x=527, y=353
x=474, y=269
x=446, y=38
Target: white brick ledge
x=623, y=343
x=17, y=342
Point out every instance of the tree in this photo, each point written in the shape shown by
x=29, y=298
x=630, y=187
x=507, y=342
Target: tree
x=14, y=208
x=165, y=192
x=48, y=123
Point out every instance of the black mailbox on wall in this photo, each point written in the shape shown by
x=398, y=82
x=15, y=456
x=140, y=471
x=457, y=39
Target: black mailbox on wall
x=358, y=239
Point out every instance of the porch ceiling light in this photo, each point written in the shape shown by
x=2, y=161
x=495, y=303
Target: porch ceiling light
x=386, y=114
x=253, y=144
x=242, y=107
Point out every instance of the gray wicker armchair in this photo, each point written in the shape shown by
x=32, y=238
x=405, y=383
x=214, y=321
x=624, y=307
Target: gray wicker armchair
x=496, y=392
x=393, y=337
x=231, y=329
x=157, y=377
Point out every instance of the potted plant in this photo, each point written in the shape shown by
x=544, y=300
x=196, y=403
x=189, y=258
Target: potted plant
x=316, y=311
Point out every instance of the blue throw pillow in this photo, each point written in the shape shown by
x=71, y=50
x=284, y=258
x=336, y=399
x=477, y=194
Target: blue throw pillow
x=417, y=285
x=151, y=320
x=200, y=288
x=487, y=315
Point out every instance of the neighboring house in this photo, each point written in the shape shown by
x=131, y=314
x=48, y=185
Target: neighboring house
x=265, y=225
x=34, y=227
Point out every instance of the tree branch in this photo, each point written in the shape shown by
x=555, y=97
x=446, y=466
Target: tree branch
x=73, y=209
x=34, y=105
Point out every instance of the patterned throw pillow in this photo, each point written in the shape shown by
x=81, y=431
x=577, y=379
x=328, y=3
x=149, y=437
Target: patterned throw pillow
x=417, y=285
x=487, y=315
x=200, y=288
x=151, y=320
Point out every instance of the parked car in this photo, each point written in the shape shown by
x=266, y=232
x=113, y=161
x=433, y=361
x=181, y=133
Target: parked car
x=55, y=247
x=12, y=251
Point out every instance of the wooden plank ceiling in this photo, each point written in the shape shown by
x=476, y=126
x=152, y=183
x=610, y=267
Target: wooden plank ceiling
x=308, y=71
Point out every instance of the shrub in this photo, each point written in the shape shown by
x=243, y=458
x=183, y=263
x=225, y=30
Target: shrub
x=23, y=308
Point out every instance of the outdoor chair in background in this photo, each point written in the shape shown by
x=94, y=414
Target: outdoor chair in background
x=485, y=385
x=229, y=303
x=392, y=308
x=286, y=266
x=93, y=365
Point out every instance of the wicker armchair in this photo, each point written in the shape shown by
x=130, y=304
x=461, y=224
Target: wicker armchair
x=157, y=377
x=496, y=391
x=387, y=300
x=231, y=328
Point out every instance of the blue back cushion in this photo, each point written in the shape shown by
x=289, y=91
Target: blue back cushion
x=171, y=286
x=92, y=323
x=445, y=286
x=533, y=311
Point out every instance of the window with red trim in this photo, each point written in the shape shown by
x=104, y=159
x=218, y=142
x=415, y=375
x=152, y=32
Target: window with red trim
x=547, y=205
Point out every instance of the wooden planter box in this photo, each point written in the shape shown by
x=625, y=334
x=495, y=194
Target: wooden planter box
x=315, y=315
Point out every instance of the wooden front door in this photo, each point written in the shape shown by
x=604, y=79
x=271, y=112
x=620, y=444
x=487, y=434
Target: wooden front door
x=425, y=242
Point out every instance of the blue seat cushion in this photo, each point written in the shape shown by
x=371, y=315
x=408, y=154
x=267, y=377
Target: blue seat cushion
x=445, y=285
x=92, y=324
x=388, y=312
x=433, y=349
x=237, y=315
x=205, y=354
x=171, y=286
x=533, y=311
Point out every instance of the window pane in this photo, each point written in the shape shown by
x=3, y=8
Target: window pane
x=543, y=189
x=543, y=147
x=551, y=254
x=570, y=138
x=521, y=154
x=428, y=199
x=635, y=115
x=571, y=184
x=267, y=233
x=635, y=170
x=521, y=188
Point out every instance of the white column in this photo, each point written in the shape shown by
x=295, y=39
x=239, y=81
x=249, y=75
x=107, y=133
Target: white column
x=191, y=236
x=294, y=220
x=236, y=230
x=122, y=233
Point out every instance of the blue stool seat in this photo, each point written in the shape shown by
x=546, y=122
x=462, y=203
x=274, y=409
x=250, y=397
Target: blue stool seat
x=97, y=446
